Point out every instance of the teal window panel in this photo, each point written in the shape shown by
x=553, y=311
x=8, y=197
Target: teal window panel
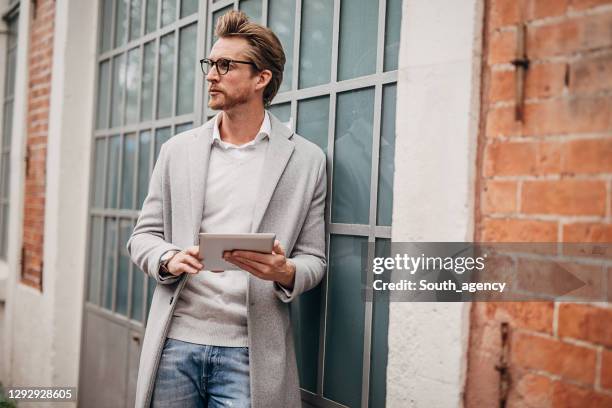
x=316, y=43
x=345, y=321
x=313, y=120
x=357, y=42
x=353, y=157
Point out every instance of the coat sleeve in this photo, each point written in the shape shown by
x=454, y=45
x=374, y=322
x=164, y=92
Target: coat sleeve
x=308, y=253
x=147, y=243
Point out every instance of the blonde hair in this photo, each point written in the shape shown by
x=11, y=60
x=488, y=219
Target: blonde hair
x=265, y=49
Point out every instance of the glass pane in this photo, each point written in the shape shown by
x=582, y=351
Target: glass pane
x=387, y=157
x=186, y=70
x=392, y=33
x=161, y=135
x=127, y=171
x=316, y=42
x=117, y=91
x=380, y=334
x=305, y=318
x=345, y=321
x=5, y=169
x=281, y=19
x=182, y=127
x=144, y=159
x=148, y=73
x=123, y=270
x=99, y=175
x=132, y=82
x=353, y=157
x=109, y=261
x=188, y=7
x=111, y=172
x=166, y=76
x=215, y=17
x=251, y=8
x=103, y=83
x=357, y=42
x=135, y=15
x=13, y=28
x=313, y=120
x=168, y=12
x=11, y=62
x=151, y=18
x=120, y=22
x=95, y=259
x=8, y=125
x=282, y=112
x=107, y=18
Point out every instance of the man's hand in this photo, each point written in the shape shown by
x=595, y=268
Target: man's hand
x=188, y=261
x=274, y=267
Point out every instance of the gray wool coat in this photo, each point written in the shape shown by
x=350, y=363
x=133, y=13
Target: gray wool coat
x=290, y=203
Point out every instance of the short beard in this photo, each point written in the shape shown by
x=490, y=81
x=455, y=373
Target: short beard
x=229, y=102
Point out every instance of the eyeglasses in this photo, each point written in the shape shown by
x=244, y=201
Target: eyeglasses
x=222, y=65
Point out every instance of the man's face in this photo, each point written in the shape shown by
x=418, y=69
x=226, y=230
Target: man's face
x=238, y=86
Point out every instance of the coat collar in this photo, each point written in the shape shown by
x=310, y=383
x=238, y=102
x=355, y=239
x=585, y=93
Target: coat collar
x=279, y=151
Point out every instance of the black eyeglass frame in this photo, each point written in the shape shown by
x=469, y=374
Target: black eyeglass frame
x=204, y=62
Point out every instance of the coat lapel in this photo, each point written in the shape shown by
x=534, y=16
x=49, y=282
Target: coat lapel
x=199, y=154
x=279, y=151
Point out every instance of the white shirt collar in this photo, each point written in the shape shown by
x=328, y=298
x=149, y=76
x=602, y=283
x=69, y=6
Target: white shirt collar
x=264, y=131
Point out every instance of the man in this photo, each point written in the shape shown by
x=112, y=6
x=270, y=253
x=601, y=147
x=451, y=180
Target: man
x=225, y=339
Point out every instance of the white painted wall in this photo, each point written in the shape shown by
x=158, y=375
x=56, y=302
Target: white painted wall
x=44, y=332
x=435, y=164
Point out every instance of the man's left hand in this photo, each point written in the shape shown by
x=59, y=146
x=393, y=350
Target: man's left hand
x=274, y=267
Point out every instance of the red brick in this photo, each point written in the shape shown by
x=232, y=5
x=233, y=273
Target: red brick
x=499, y=197
x=565, y=197
x=510, y=158
x=570, y=36
x=589, y=75
x=588, y=156
x=537, y=316
x=503, y=13
x=606, y=369
x=537, y=9
x=502, y=45
x=554, y=356
x=502, y=122
x=586, y=4
x=482, y=380
x=545, y=80
x=587, y=232
x=515, y=230
x=502, y=86
x=586, y=322
x=522, y=158
x=530, y=390
x=563, y=116
x=572, y=396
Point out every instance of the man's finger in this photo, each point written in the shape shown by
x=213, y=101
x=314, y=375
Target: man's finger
x=255, y=256
x=253, y=264
x=278, y=249
x=193, y=251
x=192, y=261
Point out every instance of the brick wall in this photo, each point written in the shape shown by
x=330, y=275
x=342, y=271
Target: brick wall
x=39, y=90
x=545, y=178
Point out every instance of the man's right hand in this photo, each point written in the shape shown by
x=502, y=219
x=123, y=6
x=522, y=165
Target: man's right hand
x=188, y=261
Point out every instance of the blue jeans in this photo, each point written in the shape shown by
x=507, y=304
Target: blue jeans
x=194, y=375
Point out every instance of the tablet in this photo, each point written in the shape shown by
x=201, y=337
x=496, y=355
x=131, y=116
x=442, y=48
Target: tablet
x=212, y=247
